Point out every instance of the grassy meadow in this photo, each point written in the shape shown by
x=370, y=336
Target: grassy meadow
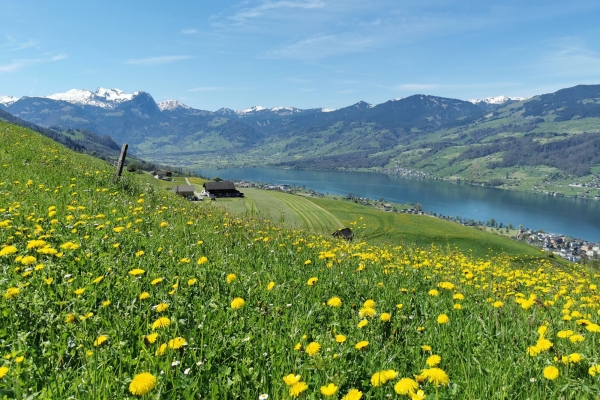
x=122, y=291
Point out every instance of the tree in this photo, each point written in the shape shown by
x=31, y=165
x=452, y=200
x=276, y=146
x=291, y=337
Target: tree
x=418, y=207
x=217, y=179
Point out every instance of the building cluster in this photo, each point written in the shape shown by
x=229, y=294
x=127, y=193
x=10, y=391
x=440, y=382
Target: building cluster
x=562, y=246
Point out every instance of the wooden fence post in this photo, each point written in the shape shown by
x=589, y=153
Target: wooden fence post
x=120, y=162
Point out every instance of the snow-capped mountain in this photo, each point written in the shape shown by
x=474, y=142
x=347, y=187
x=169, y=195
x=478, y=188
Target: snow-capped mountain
x=105, y=98
x=260, y=110
x=491, y=103
x=8, y=100
x=172, y=105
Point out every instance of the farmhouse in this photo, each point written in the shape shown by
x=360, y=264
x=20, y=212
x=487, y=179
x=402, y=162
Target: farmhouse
x=184, y=191
x=221, y=189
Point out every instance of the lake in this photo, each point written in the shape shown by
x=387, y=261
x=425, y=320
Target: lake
x=578, y=218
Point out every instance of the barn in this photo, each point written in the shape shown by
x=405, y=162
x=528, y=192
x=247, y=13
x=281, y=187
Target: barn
x=222, y=189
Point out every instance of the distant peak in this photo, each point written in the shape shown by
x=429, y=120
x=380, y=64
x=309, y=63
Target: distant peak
x=250, y=110
x=102, y=97
x=497, y=100
x=8, y=100
x=171, y=105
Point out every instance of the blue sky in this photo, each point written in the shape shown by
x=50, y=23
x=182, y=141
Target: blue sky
x=303, y=53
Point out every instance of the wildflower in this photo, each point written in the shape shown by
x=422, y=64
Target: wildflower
x=136, y=272
x=334, y=302
x=406, y=386
x=593, y=370
x=11, y=292
x=28, y=260
x=238, y=302
x=177, y=343
x=106, y=303
x=443, y=319
x=576, y=339
x=156, y=281
x=498, y=304
x=575, y=358
x=363, y=323
x=437, y=376
x=98, y=279
x=543, y=344
x=100, y=339
x=144, y=295
x=329, y=390
x=69, y=246
x=161, y=350
x=367, y=312
x=361, y=345
x=192, y=282
x=231, y=278
x=8, y=250
x=307, y=262
x=48, y=281
x=433, y=293
x=162, y=307
x=3, y=372
x=70, y=318
x=369, y=304
x=164, y=224
x=353, y=394
x=298, y=388
x=385, y=317
x=298, y=346
x=34, y=244
x=151, y=338
x=313, y=348
x=533, y=351
x=161, y=322
x=433, y=360
x=270, y=286
x=139, y=253
x=202, y=260
x=426, y=347
x=19, y=359
x=551, y=372
x=79, y=292
x=142, y=383
x=291, y=379
x=340, y=338
x=458, y=296
x=263, y=396
x=419, y=395
x=312, y=281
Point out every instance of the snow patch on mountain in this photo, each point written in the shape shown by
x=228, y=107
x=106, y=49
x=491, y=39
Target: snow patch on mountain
x=497, y=100
x=8, y=100
x=171, y=105
x=105, y=98
x=250, y=110
x=329, y=109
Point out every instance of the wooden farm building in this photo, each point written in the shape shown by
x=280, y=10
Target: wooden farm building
x=222, y=189
x=184, y=190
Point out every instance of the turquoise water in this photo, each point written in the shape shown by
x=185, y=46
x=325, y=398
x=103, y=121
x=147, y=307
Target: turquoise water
x=578, y=218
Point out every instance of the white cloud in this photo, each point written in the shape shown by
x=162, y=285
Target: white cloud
x=17, y=65
x=12, y=67
x=13, y=45
x=267, y=6
x=157, y=60
x=323, y=46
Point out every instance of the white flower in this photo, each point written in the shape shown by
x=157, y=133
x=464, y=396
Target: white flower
x=263, y=396
x=175, y=363
x=187, y=371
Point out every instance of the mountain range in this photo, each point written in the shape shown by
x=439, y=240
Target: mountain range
x=443, y=136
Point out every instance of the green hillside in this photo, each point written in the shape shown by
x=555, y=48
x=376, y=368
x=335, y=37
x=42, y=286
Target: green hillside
x=123, y=290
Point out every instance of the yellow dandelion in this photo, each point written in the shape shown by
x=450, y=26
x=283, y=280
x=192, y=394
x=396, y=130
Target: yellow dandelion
x=443, y=319
x=334, y=302
x=385, y=317
x=291, y=379
x=151, y=338
x=98, y=279
x=3, y=371
x=406, y=386
x=238, y=302
x=298, y=388
x=550, y=372
x=353, y=394
x=142, y=383
x=363, y=323
x=156, y=281
x=28, y=260
x=433, y=360
x=340, y=338
x=11, y=292
x=594, y=370
x=329, y=390
x=231, y=277
x=202, y=260
x=79, y=292
x=144, y=295
x=361, y=345
x=177, y=343
x=437, y=376
x=8, y=250
x=192, y=281
x=270, y=286
x=576, y=338
x=161, y=322
x=313, y=348
x=100, y=340
x=136, y=272
x=369, y=304
x=312, y=281
x=367, y=312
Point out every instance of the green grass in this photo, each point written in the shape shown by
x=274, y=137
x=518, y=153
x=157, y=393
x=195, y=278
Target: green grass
x=379, y=227
x=85, y=260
